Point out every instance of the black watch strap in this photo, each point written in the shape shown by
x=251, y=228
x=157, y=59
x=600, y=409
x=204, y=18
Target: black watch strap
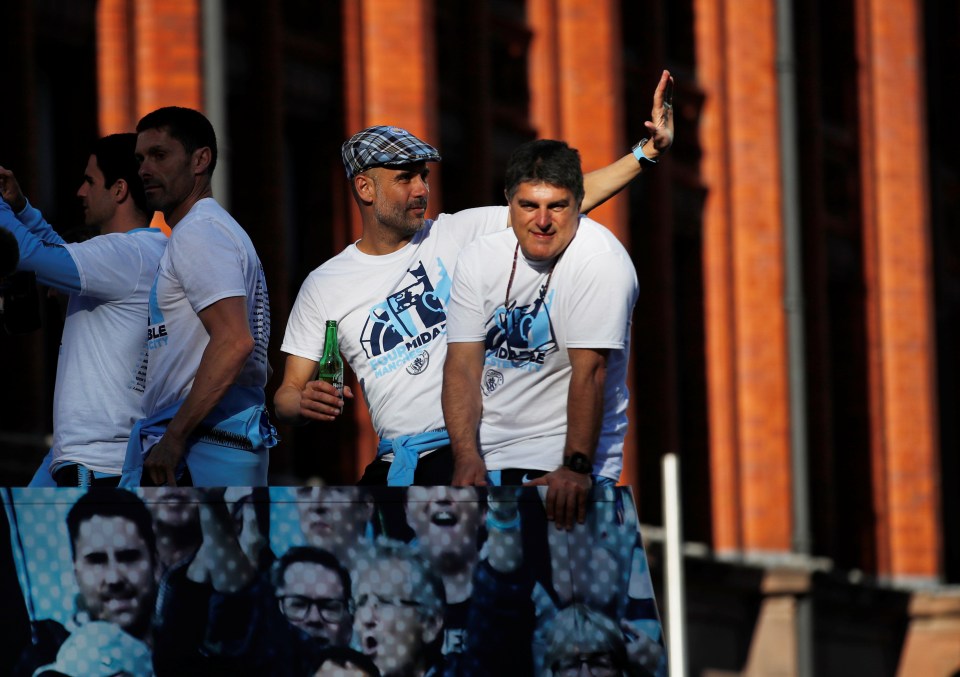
x=578, y=463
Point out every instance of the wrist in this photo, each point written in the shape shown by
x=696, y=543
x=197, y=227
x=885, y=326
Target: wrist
x=465, y=453
x=503, y=522
x=174, y=435
x=578, y=462
x=645, y=152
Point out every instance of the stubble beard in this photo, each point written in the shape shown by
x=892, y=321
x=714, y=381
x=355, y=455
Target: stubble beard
x=399, y=220
x=155, y=200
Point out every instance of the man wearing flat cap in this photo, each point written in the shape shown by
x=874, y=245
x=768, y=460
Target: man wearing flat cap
x=389, y=291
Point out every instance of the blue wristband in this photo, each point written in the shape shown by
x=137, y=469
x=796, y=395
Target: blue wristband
x=639, y=154
x=494, y=523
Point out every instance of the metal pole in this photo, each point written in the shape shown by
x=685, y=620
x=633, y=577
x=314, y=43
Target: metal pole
x=673, y=564
x=793, y=302
x=214, y=94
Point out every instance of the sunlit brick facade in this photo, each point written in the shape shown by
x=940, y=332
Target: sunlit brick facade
x=879, y=185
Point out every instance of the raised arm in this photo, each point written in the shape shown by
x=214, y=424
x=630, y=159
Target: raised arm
x=602, y=184
x=26, y=213
x=10, y=190
x=221, y=560
x=53, y=265
x=462, y=406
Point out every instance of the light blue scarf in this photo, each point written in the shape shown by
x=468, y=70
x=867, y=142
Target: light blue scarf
x=247, y=428
x=406, y=452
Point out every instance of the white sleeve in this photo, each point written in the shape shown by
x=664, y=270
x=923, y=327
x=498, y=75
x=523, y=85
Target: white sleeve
x=209, y=263
x=109, y=266
x=466, y=320
x=600, y=310
x=304, y=334
x=470, y=224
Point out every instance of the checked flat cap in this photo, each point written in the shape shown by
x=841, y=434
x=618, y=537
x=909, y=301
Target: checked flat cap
x=383, y=146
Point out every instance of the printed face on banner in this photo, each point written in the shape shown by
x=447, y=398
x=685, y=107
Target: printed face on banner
x=114, y=570
x=447, y=523
x=313, y=599
x=392, y=621
x=332, y=518
x=399, y=586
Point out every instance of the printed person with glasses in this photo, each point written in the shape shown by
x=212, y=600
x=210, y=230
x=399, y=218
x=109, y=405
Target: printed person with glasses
x=581, y=641
x=398, y=617
x=229, y=613
x=313, y=593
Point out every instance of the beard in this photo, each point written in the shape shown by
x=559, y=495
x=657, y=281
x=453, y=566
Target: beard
x=157, y=202
x=398, y=217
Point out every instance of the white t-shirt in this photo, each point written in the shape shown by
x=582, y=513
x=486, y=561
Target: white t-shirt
x=392, y=318
x=209, y=258
x=99, y=389
x=526, y=375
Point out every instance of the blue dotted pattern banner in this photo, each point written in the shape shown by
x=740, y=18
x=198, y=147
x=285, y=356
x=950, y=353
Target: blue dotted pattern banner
x=385, y=579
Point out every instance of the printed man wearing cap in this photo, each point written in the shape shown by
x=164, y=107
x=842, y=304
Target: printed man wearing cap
x=389, y=290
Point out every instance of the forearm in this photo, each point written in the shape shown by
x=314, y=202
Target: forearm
x=462, y=408
x=33, y=221
x=602, y=184
x=461, y=399
x=505, y=551
x=53, y=265
x=220, y=364
x=228, y=567
x=585, y=409
x=286, y=405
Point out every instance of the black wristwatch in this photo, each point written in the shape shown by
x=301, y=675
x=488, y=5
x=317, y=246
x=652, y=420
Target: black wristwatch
x=578, y=463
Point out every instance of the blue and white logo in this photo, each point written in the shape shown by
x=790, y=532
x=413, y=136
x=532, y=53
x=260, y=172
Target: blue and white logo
x=521, y=336
x=397, y=330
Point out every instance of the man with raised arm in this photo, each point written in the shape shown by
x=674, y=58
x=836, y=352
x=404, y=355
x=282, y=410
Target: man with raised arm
x=389, y=292
x=99, y=387
x=538, y=339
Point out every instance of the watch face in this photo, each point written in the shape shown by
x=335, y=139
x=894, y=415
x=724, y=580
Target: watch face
x=579, y=463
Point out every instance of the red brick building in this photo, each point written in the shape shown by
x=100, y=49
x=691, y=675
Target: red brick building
x=798, y=253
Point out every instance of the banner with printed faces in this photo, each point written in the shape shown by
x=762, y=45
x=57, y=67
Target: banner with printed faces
x=322, y=581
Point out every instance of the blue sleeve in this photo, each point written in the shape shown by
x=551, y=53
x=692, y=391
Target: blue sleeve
x=51, y=262
x=33, y=220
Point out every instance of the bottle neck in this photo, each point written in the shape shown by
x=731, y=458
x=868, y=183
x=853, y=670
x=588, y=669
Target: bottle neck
x=330, y=346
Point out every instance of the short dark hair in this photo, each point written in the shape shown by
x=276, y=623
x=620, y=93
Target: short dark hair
x=545, y=161
x=111, y=502
x=116, y=158
x=188, y=126
x=307, y=553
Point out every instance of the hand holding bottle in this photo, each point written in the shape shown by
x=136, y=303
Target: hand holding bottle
x=322, y=401
x=323, y=397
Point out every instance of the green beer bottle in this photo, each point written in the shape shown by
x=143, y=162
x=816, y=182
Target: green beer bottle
x=330, y=368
